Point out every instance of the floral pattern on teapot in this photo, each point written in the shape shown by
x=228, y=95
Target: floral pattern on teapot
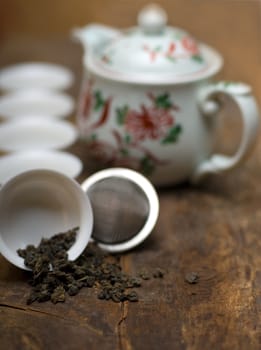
x=153, y=121
x=185, y=48
x=180, y=47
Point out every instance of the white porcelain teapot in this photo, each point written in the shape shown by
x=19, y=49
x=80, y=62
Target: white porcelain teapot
x=147, y=101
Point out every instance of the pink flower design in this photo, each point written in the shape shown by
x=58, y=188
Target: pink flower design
x=190, y=45
x=171, y=50
x=153, y=53
x=149, y=123
x=106, y=59
x=87, y=100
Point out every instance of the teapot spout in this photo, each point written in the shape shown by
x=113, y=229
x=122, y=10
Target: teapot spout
x=94, y=36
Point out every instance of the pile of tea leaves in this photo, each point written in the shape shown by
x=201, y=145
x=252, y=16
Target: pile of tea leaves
x=54, y=277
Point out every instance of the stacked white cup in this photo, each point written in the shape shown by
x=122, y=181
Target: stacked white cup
x=33, y=131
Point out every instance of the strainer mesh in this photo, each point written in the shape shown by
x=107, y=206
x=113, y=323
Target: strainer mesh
x=120, y=209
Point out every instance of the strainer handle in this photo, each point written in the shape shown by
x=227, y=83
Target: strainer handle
x=209, y=103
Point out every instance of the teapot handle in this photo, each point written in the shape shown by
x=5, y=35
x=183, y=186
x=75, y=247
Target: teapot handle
x=209, y=103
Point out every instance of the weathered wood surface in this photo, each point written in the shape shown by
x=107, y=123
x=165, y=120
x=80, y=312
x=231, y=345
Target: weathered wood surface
x=212, y=229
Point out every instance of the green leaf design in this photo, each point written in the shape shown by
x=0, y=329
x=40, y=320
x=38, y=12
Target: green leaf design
x=163, y=101
x=127, y=139
x=197, y=58
x=173, y=135
x=124, y=151
x=228, y=83
x=99, y=100
x=157, y=49
x=172, y=59
x=147, y=165
x=93, y=137
x=178, y=35
x=121, y=113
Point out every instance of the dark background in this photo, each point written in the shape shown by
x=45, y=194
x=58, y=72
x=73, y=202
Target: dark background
x=231, y=26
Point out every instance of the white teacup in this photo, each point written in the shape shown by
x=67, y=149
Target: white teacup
x=41, y=203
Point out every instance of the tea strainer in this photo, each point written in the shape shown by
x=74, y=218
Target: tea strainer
x=125, y=208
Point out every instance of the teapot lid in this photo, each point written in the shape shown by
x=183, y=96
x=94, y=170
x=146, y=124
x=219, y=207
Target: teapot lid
x=154, y=53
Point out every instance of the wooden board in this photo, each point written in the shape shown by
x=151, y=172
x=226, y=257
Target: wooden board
x=213, y=230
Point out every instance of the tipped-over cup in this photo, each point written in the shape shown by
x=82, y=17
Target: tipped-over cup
x=38, y=204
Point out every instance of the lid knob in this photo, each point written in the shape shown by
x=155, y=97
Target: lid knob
x=152, y=19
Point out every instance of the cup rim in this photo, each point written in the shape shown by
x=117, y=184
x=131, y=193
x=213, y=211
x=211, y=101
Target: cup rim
x=86, y=215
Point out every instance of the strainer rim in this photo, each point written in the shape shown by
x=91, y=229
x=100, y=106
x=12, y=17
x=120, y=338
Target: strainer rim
x=151, y=195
